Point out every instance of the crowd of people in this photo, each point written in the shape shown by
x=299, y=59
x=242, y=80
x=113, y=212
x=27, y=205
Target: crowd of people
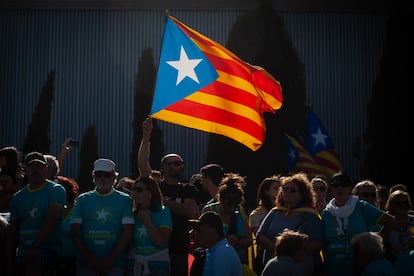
x=158, y=224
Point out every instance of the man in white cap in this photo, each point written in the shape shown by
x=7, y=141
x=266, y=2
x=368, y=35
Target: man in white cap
x=35, y=216
x=102, y=223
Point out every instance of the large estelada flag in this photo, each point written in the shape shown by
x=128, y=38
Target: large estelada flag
x=202, y=85
x=299, y=159
x=320, y=146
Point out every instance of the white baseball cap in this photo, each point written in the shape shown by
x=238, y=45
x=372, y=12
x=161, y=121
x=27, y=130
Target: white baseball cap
x=104, y=165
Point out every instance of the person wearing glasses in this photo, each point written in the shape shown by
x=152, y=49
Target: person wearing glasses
x=399, y=243
x=179, y=197
x=102, y=224
x=367, y=190
x=345, y=216
x=221, y=258
x=231, y=211
x=294, y=210
x=320, y=187
x=148, y=254
x=266, y=198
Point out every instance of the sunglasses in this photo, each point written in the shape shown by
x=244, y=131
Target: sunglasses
x=138, y=189
x=366, y=194
x=291, y=190
x=102, y=174
x=176, y=163
x=321, y=188
x=402, y=203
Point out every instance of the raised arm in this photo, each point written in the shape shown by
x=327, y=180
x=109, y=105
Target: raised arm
x=63, y=152
x=143, y=152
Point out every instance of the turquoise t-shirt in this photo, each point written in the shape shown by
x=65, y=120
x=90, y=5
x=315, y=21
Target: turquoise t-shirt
x=379, y=267
x=144, y=246
x=29, y=207
x=337, y=248
x=101, y=218
x=142, y=243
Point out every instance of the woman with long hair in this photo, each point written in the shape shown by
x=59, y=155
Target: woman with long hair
x=148, y=252
x=294, y=210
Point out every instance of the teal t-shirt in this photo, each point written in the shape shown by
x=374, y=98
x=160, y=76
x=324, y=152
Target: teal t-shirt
x=101, y=218
x=142, y=243
x=337, y=249
x=29, y=207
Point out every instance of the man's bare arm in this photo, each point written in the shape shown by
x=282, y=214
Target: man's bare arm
x=143, y=152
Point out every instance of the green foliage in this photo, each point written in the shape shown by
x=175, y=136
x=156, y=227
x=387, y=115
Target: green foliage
x=37, y=137
x=144, y=88
x=88, y=155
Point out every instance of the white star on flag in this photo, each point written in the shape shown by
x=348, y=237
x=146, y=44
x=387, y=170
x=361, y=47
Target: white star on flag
x=319, y=137
x=185, y=67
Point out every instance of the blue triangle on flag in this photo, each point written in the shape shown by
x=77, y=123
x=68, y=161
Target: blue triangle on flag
x=183, y=68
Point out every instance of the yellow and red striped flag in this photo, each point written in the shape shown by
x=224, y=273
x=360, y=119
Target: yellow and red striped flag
x=320, y=146
x=202, y=85
x=300, y=160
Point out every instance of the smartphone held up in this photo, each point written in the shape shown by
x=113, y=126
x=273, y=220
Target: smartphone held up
x=72, y=144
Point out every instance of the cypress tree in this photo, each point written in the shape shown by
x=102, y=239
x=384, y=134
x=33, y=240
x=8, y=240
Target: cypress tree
x=144, y=89
x=88, y=155
x=38, y=131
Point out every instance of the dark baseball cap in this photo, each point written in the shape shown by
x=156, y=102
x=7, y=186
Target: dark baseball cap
x=210, y=218
x=34, y=157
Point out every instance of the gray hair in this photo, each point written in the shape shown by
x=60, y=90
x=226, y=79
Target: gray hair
x=368, y=243
x=363, y=183
x=52, y=164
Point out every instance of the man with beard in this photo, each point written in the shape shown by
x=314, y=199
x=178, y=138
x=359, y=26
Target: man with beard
x=179, y=197
x=35, y=221
x=101, y=224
